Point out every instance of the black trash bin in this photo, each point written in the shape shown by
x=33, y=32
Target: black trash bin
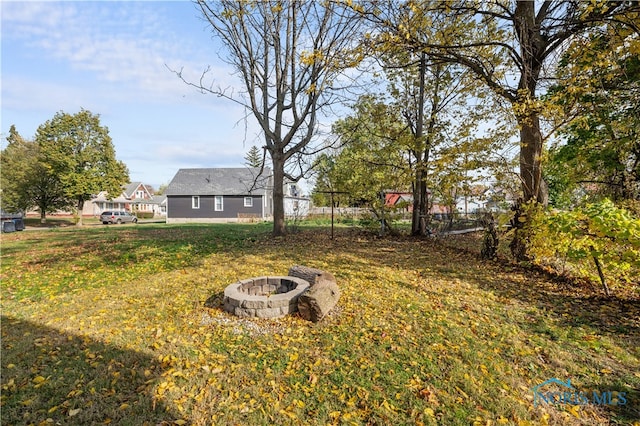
x=18, y=223
x=8, y=226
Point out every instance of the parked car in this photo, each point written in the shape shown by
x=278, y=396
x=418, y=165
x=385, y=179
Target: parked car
x=117, y=217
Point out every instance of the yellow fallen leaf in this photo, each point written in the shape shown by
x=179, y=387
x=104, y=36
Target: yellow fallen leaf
x=74, y=412
x=462, y=392
x=573, y=410
x=313, y=379
x=289, y=414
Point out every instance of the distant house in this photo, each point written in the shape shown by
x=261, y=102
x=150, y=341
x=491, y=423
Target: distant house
x=401, y=200
x=295, y=204
x=404, y=201
x=161, y=203
x=500, y=199
x=219, y=195
x=135, y=197
x=473, y=200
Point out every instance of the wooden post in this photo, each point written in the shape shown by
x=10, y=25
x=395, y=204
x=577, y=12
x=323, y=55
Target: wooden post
x=332, y=206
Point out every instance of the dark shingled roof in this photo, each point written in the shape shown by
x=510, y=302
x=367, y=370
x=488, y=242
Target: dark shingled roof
x=224, y=181
x=130, y=188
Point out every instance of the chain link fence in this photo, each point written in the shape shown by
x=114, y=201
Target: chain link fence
x=437, y=223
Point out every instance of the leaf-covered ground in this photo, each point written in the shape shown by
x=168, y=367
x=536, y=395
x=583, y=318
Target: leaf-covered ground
x=109, y=325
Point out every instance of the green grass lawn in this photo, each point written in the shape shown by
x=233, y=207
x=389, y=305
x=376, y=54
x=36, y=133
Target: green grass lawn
x=108, y=325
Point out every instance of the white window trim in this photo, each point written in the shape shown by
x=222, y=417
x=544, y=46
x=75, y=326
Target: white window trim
x=195, y=202
x=215, y=203
x=248, y=201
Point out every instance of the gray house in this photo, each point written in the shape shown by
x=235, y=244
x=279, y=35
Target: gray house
x=219, y=195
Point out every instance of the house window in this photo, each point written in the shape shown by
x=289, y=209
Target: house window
x=248, y=201
x=139, y=194
x=218, y=203
x=195, y=202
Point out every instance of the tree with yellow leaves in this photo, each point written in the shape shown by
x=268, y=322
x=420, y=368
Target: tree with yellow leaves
x=511, y=46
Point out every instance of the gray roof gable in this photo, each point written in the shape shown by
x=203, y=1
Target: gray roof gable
x=219, y=181
x=130, y=189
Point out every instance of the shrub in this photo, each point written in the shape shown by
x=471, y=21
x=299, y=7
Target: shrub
x=600, y=241
x=144, y=215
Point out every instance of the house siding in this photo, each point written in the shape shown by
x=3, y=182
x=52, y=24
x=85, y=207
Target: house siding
x=179, y=208
x=296, y=207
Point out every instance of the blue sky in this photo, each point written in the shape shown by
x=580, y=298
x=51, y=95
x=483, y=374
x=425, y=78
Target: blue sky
x=111, y=58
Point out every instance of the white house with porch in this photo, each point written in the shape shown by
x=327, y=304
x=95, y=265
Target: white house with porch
x=135, y=197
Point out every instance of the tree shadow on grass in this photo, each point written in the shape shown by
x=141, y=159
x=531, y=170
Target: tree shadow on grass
x=573, y=306
x=566, y=304
x=61, y=378
x=570, y=307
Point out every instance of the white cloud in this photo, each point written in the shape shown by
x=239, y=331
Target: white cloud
x=109, y=58
x=121, y=43
x=23, y=93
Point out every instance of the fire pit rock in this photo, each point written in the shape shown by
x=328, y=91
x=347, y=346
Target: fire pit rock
x=264, y=297
x=322, y=296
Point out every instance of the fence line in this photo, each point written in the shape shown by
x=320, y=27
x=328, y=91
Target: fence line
x=351, y=211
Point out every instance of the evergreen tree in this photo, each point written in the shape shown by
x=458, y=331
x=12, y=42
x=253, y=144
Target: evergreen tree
x=253, y=157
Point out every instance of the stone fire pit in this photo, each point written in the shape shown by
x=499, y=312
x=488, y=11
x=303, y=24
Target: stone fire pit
x=264, y=297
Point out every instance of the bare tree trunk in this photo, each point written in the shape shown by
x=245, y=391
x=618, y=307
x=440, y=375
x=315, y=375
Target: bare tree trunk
x=279, y=227
x=533, y=186
x=491, y=241
x=518, y=244
x=601, y=275
x=415, y=213
x=418, y=202
x=80, y=207
x=530, y=136
x=419, y=175
x=530, y=159
x=424, y=205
